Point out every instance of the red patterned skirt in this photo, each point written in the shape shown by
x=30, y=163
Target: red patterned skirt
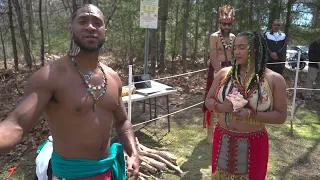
x=239, y=156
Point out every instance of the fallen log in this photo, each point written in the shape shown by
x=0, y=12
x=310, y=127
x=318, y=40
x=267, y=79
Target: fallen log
x=166, y=155
x=159, y=165
x=159, y=158
x=149, y=168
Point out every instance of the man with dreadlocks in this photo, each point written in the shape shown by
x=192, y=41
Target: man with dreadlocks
x=240, y=141
x=81, y=99
x=220, y=57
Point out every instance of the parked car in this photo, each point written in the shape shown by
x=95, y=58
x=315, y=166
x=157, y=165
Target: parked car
x=292, y=56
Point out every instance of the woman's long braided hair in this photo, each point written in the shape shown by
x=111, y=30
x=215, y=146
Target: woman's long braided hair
x=257, y=52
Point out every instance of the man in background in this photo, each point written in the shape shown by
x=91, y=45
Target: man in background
x=221, y=43
x=277, y=47
x=313, y=70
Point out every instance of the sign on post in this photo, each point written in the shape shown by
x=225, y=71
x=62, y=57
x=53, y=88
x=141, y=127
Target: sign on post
x=149, y=14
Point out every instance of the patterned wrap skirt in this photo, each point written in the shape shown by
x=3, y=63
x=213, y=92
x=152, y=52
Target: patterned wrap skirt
x=239, y=156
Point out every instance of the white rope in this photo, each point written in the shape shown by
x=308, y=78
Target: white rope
x=188, y=73
x=307, y=89
x=172, y=76
x=290, y=62
x=168, y=114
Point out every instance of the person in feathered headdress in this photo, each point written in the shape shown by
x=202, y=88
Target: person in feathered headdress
x=221, y=43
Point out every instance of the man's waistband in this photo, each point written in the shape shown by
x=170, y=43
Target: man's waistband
x=81, y=168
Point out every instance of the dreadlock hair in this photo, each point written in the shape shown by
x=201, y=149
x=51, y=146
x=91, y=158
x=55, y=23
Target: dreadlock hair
x=257, y=52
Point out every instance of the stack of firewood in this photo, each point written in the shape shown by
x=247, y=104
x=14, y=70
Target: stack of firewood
x=153, y=162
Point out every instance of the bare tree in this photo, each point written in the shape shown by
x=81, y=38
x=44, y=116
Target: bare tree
x=4, y=50
x=185, y=37
x=42, y=36
x=13, y=37
x=25, y=42
x=164, y=18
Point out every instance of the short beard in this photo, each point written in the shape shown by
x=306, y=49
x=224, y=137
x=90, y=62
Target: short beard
x=83, y=47
x=224, y=33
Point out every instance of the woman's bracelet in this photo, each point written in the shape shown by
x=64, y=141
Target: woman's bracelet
x=215, y=102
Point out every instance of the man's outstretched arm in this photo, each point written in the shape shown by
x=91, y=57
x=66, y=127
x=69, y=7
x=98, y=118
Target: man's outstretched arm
x=18, y=123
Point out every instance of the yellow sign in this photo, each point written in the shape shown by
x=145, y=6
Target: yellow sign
x=149, y=14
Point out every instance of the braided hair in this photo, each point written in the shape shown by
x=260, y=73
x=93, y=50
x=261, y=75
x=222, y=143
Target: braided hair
x=257, y=52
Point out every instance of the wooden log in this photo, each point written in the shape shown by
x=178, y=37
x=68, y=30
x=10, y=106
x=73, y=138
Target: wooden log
x=159, y=165
x=161, y=159
x=149, y=168
x=144, y=175
x=166, y=155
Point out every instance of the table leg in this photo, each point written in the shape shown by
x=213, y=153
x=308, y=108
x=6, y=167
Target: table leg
x=168, y=113
x=155, y=107
x=150, y=109
x=155, y=116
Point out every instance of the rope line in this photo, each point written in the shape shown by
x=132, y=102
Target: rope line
x=168, y=114
x=307, y=89
x=188, y=73
x=290, y=62
x=172, y=76
x=151, y=120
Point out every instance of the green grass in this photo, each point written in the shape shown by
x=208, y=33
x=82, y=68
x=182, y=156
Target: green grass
x=296, y=157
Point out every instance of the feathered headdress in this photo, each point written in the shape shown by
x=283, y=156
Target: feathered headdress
x=226, y=14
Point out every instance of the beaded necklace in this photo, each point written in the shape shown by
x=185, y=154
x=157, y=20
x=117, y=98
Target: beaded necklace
x=91, y=87
x=226, y=46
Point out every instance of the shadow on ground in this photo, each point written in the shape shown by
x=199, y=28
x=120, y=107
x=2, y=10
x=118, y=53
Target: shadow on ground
x=198, y=160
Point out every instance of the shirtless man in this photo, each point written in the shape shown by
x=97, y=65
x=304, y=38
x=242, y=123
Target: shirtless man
x=221, y=43
x=81, y=99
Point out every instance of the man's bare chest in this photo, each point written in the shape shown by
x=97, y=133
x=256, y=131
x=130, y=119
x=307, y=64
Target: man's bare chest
x=75, y=95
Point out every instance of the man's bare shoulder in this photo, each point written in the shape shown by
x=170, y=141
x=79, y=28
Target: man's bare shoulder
x=49, y=73
x=215, y=34
x=112, y=73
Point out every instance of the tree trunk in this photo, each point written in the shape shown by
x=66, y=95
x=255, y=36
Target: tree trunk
x=164, y=18
x=273, y=12
x=42, y=36
x=47, y=24
x=185, y=36
x=194, y=55
x=4, y=50
x=174, y=51
x=26, y=50
x=30, y=23
x=13, y=37
x=316, y=16
x=288, y=18
x=74, y=5
x=251, y=14
x=154, y=42
x=66, y=7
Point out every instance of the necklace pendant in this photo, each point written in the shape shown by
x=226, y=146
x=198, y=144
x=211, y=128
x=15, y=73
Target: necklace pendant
x=86, y=77
x=94, y=107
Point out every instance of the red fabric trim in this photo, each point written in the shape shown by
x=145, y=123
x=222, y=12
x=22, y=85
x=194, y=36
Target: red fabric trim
x=258, y=151
x=226, y=19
